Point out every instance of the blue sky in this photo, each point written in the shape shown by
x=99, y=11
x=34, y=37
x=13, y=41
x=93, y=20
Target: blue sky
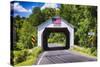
x=24, y=9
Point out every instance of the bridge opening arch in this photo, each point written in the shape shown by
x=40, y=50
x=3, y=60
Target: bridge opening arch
x=47, y=32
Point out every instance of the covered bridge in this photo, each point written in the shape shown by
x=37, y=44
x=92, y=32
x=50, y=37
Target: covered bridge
x=55, y=24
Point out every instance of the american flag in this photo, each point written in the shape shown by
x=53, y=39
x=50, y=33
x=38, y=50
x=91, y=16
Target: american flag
x=56, y=20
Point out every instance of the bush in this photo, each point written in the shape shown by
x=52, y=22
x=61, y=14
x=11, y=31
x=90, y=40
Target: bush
x=93, y=49
x=28, y=57
x=20, y=56
x=19, y=46
x=94, y=53
x=36, y=51
x=89, y=51
x=27, y=62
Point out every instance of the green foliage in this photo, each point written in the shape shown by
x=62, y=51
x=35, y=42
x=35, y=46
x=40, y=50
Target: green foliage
x=36, y=51
x=30, y=57
x=36, y=17
x=27, y=62
x=89, y=51
x=25, y=34
x=19, y=46
x=19, y=56
x=56, y=38
x=84, y=19
x=48, y=13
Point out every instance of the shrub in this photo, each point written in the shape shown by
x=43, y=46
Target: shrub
x=31, y=57
x=89, y=51
x=36, y=51
x=94, y=53
x=19, y=46
x=93, y=49
x=20, y=56
x=27, y=62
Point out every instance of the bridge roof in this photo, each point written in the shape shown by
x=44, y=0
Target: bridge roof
x=65, y=21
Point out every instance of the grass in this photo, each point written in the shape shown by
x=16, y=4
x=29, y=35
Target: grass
x=85, y=51
x=31, y=58
x=27, y=62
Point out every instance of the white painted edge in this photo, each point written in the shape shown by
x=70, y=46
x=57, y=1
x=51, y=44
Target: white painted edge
x=41, y=58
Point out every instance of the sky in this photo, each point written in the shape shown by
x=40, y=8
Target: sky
x=24, y=9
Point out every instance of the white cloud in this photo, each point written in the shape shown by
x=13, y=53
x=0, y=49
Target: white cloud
x=49, y=5
x=30, y=10
x=19, y=8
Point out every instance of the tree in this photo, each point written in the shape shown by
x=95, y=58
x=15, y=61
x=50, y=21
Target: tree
x=36, y=17
x=48, y=13
x=84, y=19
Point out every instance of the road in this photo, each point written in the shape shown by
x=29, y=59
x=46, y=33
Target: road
x=62, y=56
x=55, y=45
